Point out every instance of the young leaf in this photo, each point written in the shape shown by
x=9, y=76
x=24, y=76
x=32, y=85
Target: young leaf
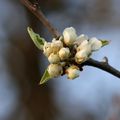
x=45, y=77
x=38, y=41
x=104, y=42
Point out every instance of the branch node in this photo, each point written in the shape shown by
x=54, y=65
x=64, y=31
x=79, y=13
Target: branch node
x=105, y=60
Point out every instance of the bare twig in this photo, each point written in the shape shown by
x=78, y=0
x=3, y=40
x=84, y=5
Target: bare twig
x=38, y=13
x=103, y=65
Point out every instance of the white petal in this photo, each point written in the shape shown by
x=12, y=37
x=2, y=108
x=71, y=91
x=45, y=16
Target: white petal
x=81, y=56
x=69, y=35
x=54, y=58
x=47, y=50
x=72, y=72
x=83, y=45
x=55, y=70
x=80, y=39
x=95, y=44
x=64, y=53
x=56, y=46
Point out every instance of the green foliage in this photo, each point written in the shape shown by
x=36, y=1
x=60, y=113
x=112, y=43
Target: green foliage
x=45, y=77
x=38, y=41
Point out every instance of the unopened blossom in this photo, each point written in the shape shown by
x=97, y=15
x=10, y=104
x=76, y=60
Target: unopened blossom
x=69, y=35
x=82, y=55
x=84, y=44
x=72, y=72
x=95, y=44
x=54, y=58
x=64, y=53
x=56, y=45
x=55, y=70
x=80, y=39
x=47, y=50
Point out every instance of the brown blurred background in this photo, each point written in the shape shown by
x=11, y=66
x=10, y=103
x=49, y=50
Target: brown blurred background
x=93, y=96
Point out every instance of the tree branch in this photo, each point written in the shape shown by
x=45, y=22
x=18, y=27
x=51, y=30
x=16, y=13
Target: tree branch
x=38, y=13
x=104, y=65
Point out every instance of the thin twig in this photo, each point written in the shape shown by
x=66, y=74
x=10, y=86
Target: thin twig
x=39, y=14
x=104, y=65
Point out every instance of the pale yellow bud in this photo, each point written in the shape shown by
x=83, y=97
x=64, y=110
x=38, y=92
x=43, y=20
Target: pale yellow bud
x=47, y=50
x=72, y=72
x=83, y=45
x=54, y=58
x=95, y=44
x=55, y=70
x=80, y=39
x=56, y=45
x=82, y=55
x=69, y=35
x=64, y=53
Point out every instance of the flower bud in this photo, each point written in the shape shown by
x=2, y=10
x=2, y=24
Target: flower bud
x=72, y=72
x=82, y=55
x=69, y=35
x=56, y=45
x=95, y=44
x=54, y=58
x=47, y=50
x=64, y=53
x=55, y=70
x=81, y=38
x=83, y=45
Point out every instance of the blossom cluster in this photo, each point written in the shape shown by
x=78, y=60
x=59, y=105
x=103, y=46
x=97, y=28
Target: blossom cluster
x=69, y=49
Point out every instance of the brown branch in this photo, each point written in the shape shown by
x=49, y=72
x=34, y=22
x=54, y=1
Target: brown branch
x=104, y=65
x=38, y=13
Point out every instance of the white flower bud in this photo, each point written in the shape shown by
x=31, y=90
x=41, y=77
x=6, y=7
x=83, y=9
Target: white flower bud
x=72, y=72
x=80, y=39
x=64, y=53
x=83, y=45
x=82, y=55
x=95, y=44
x=55, y=70
x=54, y=58
x=56, y=45
x=69, y=35
x=47, y=50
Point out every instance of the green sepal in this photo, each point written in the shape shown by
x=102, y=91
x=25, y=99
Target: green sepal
x=38, y=41
x=46, y=76
x=104, y=42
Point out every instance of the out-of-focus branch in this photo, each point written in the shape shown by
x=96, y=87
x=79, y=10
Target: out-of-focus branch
x=104, y=65
x=38, y=13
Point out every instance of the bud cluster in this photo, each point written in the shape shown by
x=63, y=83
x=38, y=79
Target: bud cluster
x=69, y=49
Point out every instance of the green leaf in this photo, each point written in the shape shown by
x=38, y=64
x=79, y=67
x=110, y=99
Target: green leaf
x=46, y=76
x=38, y=41
x=104, y=42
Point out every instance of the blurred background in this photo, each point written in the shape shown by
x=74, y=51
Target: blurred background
x=95, y=95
